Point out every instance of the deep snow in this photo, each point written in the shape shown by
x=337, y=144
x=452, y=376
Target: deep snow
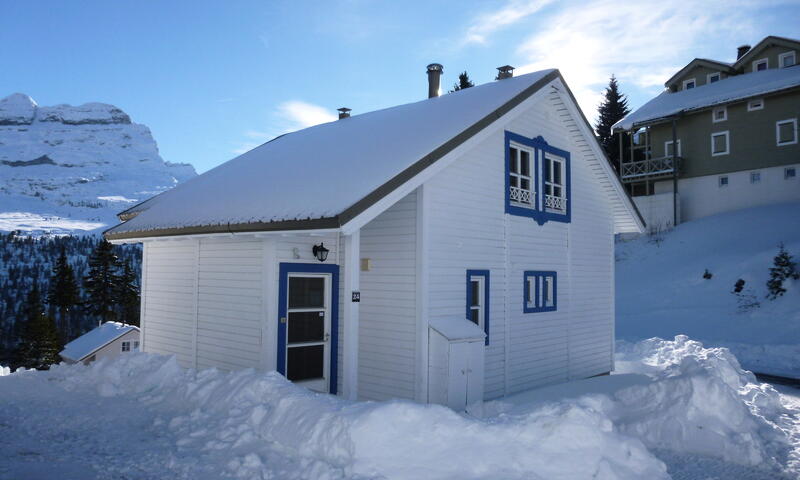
x=142, y=416
x=660, y=289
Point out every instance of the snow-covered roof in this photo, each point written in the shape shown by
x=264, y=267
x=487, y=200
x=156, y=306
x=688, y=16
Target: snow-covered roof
x=94, y=340
x=324, y=176
x=731, y=89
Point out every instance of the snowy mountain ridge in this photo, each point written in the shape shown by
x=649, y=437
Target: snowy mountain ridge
x=70, y=169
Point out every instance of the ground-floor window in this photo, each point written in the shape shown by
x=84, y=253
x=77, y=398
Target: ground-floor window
x=478, y=299
x=540, y=291
x=126, y=346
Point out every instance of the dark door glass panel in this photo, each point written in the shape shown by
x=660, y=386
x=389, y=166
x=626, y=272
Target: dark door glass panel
x=306, y=327
x=474, y=316
x=306, y=292
x=475, y=287
x=305, y=363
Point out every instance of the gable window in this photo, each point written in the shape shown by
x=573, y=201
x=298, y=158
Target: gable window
x=760, y=65
x=757, y=104
x=478, y=299
x=688, y=84
x=520, y=180
x=789, y=172
x=537, y=180
x=720, y=144
x=720, y=114
x=668, y=148
x=787, y=59
x=723, y=181
x=541, y=291
x=126, y=346
x=713, y=77
x=755, y=177
x=786, y=132
x=554, y=191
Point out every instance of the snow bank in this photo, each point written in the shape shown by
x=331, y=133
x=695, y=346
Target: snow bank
x=4, y=371
x=701, y=401
x=260, y=422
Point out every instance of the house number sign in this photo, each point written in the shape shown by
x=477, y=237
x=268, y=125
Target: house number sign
x=356, y=296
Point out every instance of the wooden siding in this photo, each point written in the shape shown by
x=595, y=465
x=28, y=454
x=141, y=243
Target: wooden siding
x=387, y=329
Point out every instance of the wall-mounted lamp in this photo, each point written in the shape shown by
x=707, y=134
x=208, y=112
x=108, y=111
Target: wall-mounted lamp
x=320, y=252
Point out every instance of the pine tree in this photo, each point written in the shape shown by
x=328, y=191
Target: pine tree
x=463, y=82
x=39, y=343
x=612, y=109
x=783, y=270
x=102, y=282
x=64, y=293
x=128, y=295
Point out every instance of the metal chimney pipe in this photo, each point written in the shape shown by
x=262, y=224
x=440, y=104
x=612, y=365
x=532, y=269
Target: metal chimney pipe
x=506, y=71
x=344, y=112
x=435, y=71
x=741, y=51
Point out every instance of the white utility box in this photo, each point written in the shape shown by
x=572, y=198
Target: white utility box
x=456, y=362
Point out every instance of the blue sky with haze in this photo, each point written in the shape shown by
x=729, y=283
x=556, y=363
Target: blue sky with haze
x=213, y=79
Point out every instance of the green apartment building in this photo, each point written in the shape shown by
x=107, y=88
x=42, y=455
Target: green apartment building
x=736, y=130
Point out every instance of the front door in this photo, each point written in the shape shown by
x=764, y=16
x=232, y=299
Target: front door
x=306, y=332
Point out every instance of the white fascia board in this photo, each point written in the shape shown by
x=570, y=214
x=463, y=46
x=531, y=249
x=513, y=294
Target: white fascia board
x=271, y=233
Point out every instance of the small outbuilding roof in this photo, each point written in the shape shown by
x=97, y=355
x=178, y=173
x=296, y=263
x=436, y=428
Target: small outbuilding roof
x=324, y=176
x=94, y=340
x=731, y=89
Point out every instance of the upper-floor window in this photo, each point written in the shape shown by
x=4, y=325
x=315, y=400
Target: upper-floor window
x=787, y=59
x=760, y=65
x=555, y=197
x=520, y=180
x=720, y=143
x=540, y=292
x=756, y=104
x=126, y=346
x=691, y=83
x=720, y=114
x=786, y=132
x=537, y=179
x=713, y=77
x=668, y=148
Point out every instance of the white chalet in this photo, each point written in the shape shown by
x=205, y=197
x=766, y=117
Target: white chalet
x=451, y=250
x=106, y=341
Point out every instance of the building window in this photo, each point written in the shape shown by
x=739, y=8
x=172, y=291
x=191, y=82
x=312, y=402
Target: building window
x=537, y=180
x=126, y=346
x=713, y=77
x=723, y=181
x=541, y=292
x=786, y=59
x=786, y=132
x=719, y=114
x=789, y=172
x=689, y=84
x=478, y=299
x=720, y=144
x=668, y=148
x=760, y=65
x=755, y=177
x=554, y=191
x=136, y=345
x=757, y=104
x=520, y=179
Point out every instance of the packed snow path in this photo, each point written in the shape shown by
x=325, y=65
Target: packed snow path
x=679, y=410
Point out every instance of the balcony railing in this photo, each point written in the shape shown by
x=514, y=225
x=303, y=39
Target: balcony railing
x=555, y=203
x=648, y=169
x=519, y=195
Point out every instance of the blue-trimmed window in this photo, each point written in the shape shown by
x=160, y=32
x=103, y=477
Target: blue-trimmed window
x=541, y=291
x=478, y=299
x=538, y=180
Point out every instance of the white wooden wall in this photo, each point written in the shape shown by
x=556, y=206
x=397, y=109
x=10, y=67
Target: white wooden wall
x=387, y=329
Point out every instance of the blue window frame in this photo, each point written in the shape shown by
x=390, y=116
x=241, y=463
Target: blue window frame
x=538, y=180
x=541, y=291
x=478, y=299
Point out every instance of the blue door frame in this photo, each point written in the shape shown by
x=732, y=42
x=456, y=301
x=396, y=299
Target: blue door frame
x=283, y=291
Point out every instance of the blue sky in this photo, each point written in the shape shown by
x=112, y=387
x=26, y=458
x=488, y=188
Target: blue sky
x=212, y=79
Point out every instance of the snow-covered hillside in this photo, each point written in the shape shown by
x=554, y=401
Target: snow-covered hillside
x=661, y=290
x=67, y=169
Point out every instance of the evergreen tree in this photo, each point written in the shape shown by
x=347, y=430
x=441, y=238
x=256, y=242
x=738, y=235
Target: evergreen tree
x=783, y=270
x=39, y=343
x=128, y=295
x=463, y=82
x=612, y=109
x=102, y=282
x=64, y=293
